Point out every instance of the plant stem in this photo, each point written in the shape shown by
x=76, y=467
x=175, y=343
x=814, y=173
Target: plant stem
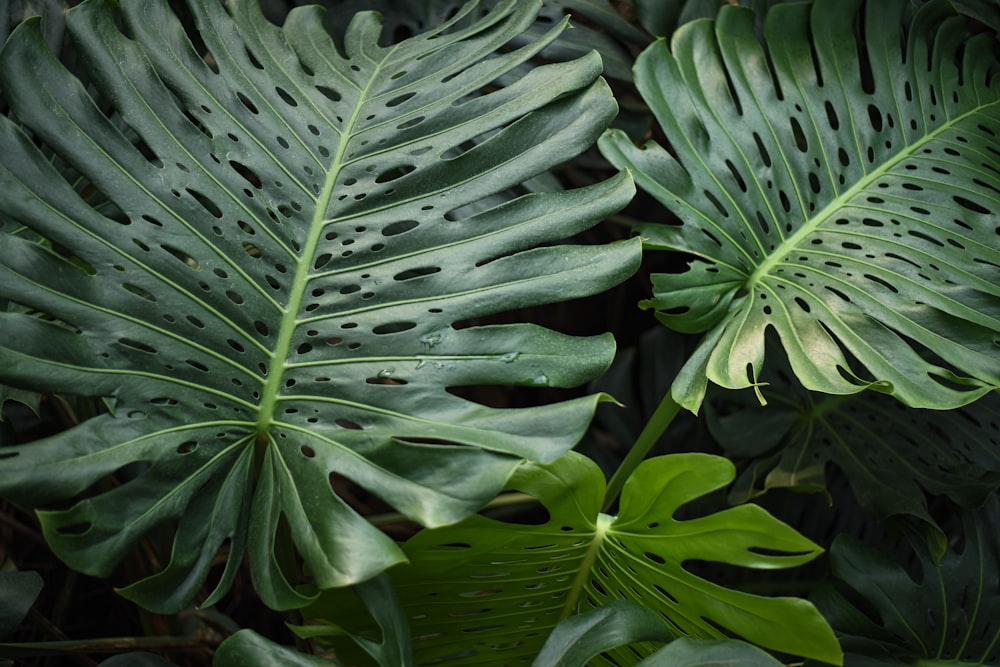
x=657, y=424
x=105, y=645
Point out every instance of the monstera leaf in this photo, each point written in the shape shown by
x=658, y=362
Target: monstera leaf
x=944, y=611
x=487, y=592
x=583, y=637
x=840, y=186
x=272, y=298
x=612, y=38
x=891, y=454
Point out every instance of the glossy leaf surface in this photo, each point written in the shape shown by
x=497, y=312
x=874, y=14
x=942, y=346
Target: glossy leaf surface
x=597, y=25
x=579, y=638
x=484, y=591
x=246, y=648
x=267, y=290
x=840, y=190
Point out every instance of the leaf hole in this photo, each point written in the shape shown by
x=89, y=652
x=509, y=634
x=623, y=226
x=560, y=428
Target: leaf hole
x=416, y=273
x=971, y=205
x=138, y=291
x=393, y=174
x=206, y=203
x=800, y=137
x=393, y=327
x=245, y=101
x=396, y=101
x=136, y=345
x=400, y=227
x=286, y=97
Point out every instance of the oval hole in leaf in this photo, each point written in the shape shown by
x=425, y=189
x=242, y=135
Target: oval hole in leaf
x=393, y=327
x=399, y=227
x=416, y=273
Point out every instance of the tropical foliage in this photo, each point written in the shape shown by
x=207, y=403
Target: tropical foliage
x=304, y=312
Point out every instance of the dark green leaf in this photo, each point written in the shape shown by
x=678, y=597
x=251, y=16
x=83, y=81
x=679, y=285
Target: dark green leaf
x=942, y=612
x=841, y=190
x=271, y=294
x=686, y=652
x=18, y=591
x=248, y=649
x=393, y=648
x=891, y=454
x=584, y=636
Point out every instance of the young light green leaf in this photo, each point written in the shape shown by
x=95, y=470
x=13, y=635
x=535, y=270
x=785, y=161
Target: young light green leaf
x=270, y=289
x=837, y=185
x=484, y=591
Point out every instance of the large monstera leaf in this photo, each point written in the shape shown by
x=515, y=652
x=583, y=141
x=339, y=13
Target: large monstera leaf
x=488, y=592
x=267, y=296
x=840, y=186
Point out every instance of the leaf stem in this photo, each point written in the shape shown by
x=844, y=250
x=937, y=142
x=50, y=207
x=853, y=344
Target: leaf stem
x=105, y=645
x=661, y=418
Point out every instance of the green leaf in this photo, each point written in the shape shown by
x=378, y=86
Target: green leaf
x=936, y=612
x=891, y=454
x=602, y=28
x=18, y=591
x=484, y=591
x=247, y=648
x=686, y=652
x=393, y=648
x=274, y=294
x=841, y=190
x=584, y=636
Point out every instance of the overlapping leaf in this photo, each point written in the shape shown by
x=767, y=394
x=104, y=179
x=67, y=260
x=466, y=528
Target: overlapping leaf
x=268, y=295
x=891, y=454
x=486, y=592
x=945, y=611
x=583, y=637
x=840, y=186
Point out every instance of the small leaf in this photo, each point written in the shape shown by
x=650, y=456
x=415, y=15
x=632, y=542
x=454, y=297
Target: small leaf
x=686, y=652
x=248, y=649
x=18, y=591
x=581, y=637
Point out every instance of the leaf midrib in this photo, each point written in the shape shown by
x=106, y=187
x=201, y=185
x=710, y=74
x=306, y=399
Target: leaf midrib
x=289, y=319
x=778, y=255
